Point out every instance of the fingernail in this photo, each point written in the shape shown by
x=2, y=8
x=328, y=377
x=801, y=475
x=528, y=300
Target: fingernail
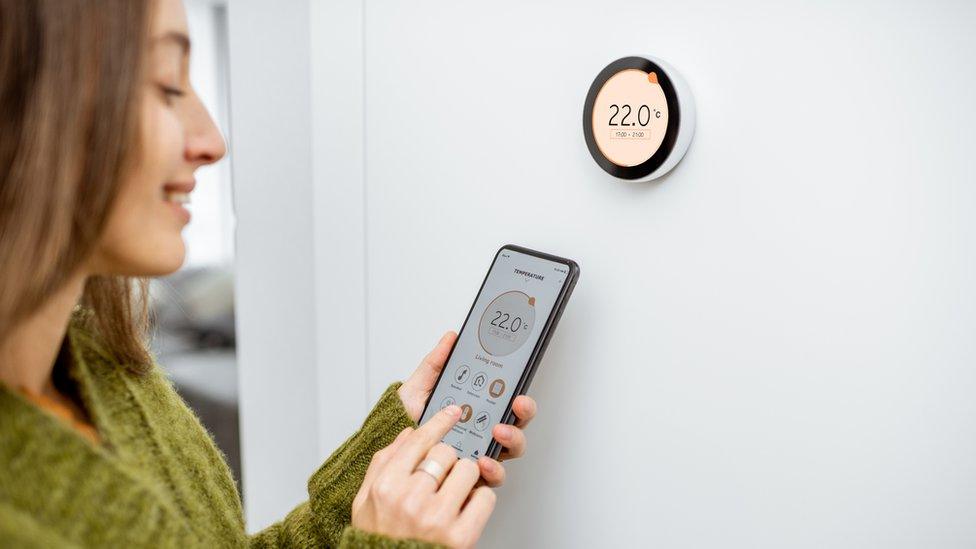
x=453, y=410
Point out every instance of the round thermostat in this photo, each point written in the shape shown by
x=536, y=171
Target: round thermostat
x=639, y=118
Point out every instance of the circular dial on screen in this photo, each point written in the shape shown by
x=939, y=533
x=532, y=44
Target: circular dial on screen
x=506, y=323
x=630, y=117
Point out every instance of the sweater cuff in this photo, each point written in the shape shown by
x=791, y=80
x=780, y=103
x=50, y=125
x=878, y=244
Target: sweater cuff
x=334, y=485
x=387, y=418
x=353, y=538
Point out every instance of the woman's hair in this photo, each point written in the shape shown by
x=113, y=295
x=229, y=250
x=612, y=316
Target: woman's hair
x=71, y=74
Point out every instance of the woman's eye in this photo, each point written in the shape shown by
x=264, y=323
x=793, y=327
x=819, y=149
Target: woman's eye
x=170, y=92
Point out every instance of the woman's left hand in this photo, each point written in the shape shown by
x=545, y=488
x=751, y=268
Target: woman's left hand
x=415, y=391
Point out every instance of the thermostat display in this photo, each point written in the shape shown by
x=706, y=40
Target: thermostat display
x=638, y=118
x=630, y=117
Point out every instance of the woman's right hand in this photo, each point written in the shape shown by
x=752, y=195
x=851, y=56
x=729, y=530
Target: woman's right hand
x=399, y=501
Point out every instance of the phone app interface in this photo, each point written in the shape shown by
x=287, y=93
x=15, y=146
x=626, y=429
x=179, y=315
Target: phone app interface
x=494, y=346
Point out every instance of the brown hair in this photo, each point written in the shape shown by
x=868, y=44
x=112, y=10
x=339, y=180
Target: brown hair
x=70, y=81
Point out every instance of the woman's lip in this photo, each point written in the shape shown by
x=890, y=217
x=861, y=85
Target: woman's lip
x=183, y=187
x=178, y=208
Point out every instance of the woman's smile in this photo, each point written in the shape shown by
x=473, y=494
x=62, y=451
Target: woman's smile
x=176, y=195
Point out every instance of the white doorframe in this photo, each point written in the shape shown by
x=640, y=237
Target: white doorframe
x=339, y=178
x=296, y=74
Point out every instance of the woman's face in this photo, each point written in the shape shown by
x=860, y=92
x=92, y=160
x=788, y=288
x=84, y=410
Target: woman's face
x=142, y=235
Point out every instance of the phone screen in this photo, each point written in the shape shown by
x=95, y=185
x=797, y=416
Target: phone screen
x=495, y=345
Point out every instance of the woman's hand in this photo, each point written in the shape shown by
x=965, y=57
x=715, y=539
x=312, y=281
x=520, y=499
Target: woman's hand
x=399, y=501
x=414, y=393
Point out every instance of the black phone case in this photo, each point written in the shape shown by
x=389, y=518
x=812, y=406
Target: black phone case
x=494, y=448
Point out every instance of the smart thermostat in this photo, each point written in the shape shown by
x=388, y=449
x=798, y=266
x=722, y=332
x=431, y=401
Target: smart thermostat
x=639, y=118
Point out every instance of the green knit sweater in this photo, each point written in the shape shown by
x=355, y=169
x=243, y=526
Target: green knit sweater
x=158, y=479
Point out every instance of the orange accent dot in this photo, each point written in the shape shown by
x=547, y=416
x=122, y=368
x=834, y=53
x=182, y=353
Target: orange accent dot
x=652, y=77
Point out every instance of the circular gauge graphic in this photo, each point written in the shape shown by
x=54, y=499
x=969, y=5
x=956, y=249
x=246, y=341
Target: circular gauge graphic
x=506, y=323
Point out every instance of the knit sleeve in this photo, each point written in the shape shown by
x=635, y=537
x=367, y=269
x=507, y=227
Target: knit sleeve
x=324, y=520
x=20, y=529
x=354, y=538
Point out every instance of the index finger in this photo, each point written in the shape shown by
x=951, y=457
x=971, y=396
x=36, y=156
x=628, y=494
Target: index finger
x=419, y=442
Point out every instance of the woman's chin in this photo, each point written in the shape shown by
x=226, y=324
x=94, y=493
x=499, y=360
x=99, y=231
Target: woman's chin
x=164, y=261
x=162, y=257
x=168, y=263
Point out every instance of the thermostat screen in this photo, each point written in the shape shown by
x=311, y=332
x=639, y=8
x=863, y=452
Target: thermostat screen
x=494, y=346
x=630, y=117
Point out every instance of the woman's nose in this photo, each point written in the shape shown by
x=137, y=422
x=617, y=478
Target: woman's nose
x=204, y=144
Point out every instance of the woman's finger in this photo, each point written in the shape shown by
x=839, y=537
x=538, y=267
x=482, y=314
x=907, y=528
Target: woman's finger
x=524, y=409
x=434, y=361
x=442, y=454
x=457, y=486
x=419, y=442
x=491, y=471
x=512, y=440
x=476, y=513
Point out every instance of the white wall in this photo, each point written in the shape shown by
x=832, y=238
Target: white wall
x=773, y=346
x=770, y=347
x=275, y=276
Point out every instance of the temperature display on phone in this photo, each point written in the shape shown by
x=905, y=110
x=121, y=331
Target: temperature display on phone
x=507, y=322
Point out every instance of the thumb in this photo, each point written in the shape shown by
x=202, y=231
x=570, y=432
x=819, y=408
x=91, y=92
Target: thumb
x=432, y=364
x=415, y=390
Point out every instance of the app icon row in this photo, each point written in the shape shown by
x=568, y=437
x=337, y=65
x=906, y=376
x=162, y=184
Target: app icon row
x=463, y=373
x=481, y=420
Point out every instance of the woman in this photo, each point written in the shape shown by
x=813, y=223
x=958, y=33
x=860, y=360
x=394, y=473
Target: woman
x=99, y=139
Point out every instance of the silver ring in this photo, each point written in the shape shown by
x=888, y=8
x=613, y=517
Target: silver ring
x=432, y=468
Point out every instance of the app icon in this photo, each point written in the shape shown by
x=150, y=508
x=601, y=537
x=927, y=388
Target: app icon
x=465, y=413
x=447, y=402
x=462, y=374
x=481, y=421
x=479, y=381
x=496, y=388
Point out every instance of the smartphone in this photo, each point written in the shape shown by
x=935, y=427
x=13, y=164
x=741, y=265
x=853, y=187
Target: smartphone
x=500, y=345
